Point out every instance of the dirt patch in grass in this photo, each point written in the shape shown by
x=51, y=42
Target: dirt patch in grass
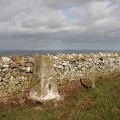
x=86, y=103
x=66, y=91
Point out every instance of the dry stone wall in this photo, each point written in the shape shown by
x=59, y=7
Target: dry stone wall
x=20, y=73
x=15, y=74
x=87, y=67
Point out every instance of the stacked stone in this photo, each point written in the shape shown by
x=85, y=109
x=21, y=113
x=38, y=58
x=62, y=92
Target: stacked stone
x=87, y=67
x=15, y=74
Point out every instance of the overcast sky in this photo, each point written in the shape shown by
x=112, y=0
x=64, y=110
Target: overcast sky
x=60, y=24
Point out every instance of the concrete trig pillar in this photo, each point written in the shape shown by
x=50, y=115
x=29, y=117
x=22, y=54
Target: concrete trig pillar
x=46, y=89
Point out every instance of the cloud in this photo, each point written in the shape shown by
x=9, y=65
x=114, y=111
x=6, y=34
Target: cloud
x=48, y=23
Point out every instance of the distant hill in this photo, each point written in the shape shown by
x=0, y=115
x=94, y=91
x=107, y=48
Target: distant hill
x=54, y=52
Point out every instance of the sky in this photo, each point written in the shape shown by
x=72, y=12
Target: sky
x=59, y=24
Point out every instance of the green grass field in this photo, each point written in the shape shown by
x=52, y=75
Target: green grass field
x=101, y=103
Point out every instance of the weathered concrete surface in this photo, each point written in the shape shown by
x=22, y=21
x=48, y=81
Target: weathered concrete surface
x=46, y=89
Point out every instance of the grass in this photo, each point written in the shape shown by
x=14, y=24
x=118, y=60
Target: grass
x=101, y=103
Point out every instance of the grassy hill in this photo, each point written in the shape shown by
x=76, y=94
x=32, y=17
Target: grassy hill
x=101, y=103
